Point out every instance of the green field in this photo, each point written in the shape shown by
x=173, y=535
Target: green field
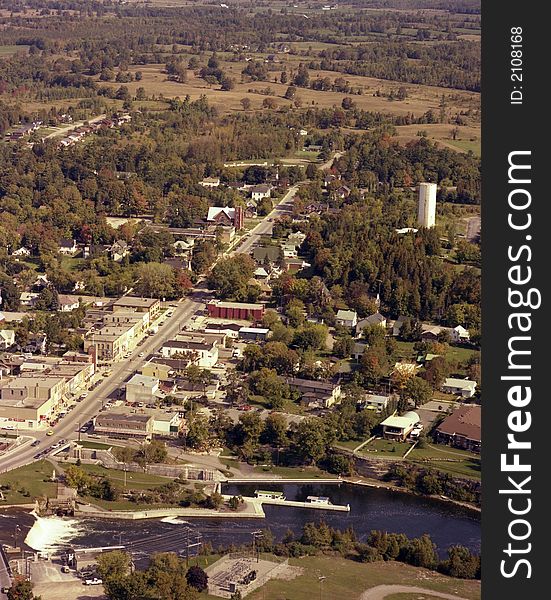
x=136, y=481
x=349, y=445
x=466, y=145
x=456, y=354
x=388, y=448
x=95, y=445
x=28, y=483
x=468, y=464
x=346, y=580
x=295, y=473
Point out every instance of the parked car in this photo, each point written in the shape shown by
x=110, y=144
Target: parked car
x=65, y=569
x=94, y=581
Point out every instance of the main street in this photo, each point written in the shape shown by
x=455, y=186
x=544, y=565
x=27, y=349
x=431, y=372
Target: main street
x=88, y=408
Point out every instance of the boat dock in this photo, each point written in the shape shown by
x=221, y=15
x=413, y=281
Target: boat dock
x=296, y=504
x=278, y=499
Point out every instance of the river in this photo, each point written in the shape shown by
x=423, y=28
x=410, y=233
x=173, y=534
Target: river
x=371, y=509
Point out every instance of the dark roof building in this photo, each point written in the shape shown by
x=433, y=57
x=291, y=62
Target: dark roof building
x=462, y=428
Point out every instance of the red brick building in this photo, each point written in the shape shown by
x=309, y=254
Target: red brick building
x=236, y=311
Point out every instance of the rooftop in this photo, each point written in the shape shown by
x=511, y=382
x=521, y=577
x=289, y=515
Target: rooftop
x=135, y=302
x=407, y=420
x=465, y=422
x=463, y=384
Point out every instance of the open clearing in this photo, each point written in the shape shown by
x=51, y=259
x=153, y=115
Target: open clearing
x=346, y=580
x=420, y=97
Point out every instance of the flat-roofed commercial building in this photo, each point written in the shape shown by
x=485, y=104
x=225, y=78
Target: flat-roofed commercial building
x=235, y=311
x=29, y=402
x=142, y=388
x=151, y=306
x=201, y=353
x=124, y=425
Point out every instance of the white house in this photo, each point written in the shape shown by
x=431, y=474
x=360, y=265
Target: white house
x=259, y=192
x=167, y=424
x=459, y=334
x=398, y=428
x=119, y=250
x=375, y=402
x=460, y=387
x=142, y=388
x=374, y=319
x=7, y=338
x=68, y=247
x=210, y=182
x=28, y=298
x=347, y=318
x=21, y=252
x=201, y=353
x=67, y=303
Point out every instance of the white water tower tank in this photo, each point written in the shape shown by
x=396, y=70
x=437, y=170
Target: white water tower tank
x=426, y=209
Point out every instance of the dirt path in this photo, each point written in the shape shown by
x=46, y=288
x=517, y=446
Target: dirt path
x=380, y=592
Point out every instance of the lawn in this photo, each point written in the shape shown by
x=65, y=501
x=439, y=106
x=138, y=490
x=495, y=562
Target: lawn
x=346, y=580
x=295, y=473
x=387, y=448
x=28, y=483
x=95, y=445
x=466, y=145
x=468, y=463
x=138, y=481
x=456, y=354
x=349, y=445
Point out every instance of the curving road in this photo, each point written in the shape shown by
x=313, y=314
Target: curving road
x=381, y=592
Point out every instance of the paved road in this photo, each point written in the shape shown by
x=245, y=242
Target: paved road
x=89, y=407
x=65, y=130
x=381, y=592
x=5, y=581
x=265, y=226
x=120, y=371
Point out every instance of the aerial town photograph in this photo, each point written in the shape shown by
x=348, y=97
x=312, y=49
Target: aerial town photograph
x=240, y=300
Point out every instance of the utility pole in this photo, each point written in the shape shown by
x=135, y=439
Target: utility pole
x=256, y=535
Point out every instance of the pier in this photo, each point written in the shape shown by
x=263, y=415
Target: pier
x=296, y=504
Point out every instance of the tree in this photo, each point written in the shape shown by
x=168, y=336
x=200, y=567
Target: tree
x=309, y=441
x=197, y=578
x=245, y=103
x=461, y=563
x=290, y=92
x=437, y=371
x=112, y=566
x=347, y=103
x=275, y=430
x=267, y=383
x=417, y=389
x=152, y=452
x=198, y=434
x=21, y=589
x=230, y=276
x=155, y=280
x=269, y=103
x=311, y=337
x=228, y=83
